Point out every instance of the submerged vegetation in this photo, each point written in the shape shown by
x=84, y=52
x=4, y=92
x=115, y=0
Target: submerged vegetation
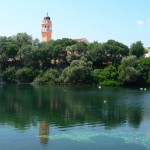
x=65, y=61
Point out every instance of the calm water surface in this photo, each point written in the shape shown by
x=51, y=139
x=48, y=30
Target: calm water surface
x=86, y=118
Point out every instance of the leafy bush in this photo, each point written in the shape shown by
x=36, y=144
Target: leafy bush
x=111, y=83
x=107, y=76
x=79, y=71
x=9, y=75
x=95, y=76
x=25, y=75
x=137, y=49
x=50, y=76
x=129, y=70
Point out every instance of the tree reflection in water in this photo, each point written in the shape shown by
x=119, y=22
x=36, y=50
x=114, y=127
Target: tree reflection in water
x=43, y=132
x=22, y=106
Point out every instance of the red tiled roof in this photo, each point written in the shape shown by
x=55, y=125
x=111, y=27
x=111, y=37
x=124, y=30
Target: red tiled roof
x=82, y=40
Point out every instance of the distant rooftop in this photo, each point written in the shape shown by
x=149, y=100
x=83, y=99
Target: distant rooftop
x=147, y=55
x=82, y=40
x=147, y=47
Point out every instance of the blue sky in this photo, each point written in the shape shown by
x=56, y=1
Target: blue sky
x=126, y=21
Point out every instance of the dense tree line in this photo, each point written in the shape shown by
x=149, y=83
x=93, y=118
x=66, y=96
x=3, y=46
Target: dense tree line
x=65, y=61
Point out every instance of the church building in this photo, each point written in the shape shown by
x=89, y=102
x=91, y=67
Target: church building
x=47, y=31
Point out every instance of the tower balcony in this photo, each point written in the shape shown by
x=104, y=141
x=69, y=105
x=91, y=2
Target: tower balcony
x=46, y=30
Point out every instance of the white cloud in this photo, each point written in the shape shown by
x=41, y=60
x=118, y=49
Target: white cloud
x=149, y=20
x=140, y=22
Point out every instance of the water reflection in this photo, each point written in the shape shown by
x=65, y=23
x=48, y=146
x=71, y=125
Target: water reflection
x=22, y=106
x=44, y=132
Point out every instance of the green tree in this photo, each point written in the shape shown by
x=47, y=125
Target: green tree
x=129, y=61
x=79, y=71
x=50, y=76
x=41, y=58
x=106, y=76
x=9, y=75
x=25, y=75
x=25, y=51
x=107, y=53
x=71, y=57
x=129, y=71
x=36, y=43
x=95, y=54
x=8, y=47
x=22, y=39
x=64, y=42
x=108, y=73
x=75, y=51
x=137, y=49
x=59, y=55
x=59, y=52
x=11, y=50
x=114, y=51
x=145, y=70
x=3, y=61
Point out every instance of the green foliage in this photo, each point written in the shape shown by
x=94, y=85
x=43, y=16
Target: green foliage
x=145, y=70
x=107, y=76
x=73, y=60
x=9, y=75
x=137, y=49
x=59, y=54
x=114, y=51
x=112, y=83
x=50, y=76
x=11, y=50
x=95, y=76
x=129, y=71
x=95, y=54
x=71, y=57
x=41, y=58
x=3, y=59
x=106, y=53
x=8, y=47
x=108, y=73
x=129, y=75
x=36, y=43
x=81, y=47
x=25, y=75
x=72, y=48
x=22, y=39
x=145, y=62
x=79, y=71
x=148, y=80
x=25, y=51
x=129, y=61
x=76, y=51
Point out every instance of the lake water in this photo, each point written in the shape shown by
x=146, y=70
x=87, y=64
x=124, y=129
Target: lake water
x=71, y=118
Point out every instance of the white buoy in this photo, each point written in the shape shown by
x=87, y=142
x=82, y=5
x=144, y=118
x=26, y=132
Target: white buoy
x=144, y=89
x=105, y=101
x=141, y=89
x=99, y=87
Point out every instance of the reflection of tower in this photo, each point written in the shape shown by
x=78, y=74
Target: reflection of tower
x=44, y=132
x=46, y=29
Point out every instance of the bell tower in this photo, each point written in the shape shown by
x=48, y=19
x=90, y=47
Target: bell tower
x=46, y=29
